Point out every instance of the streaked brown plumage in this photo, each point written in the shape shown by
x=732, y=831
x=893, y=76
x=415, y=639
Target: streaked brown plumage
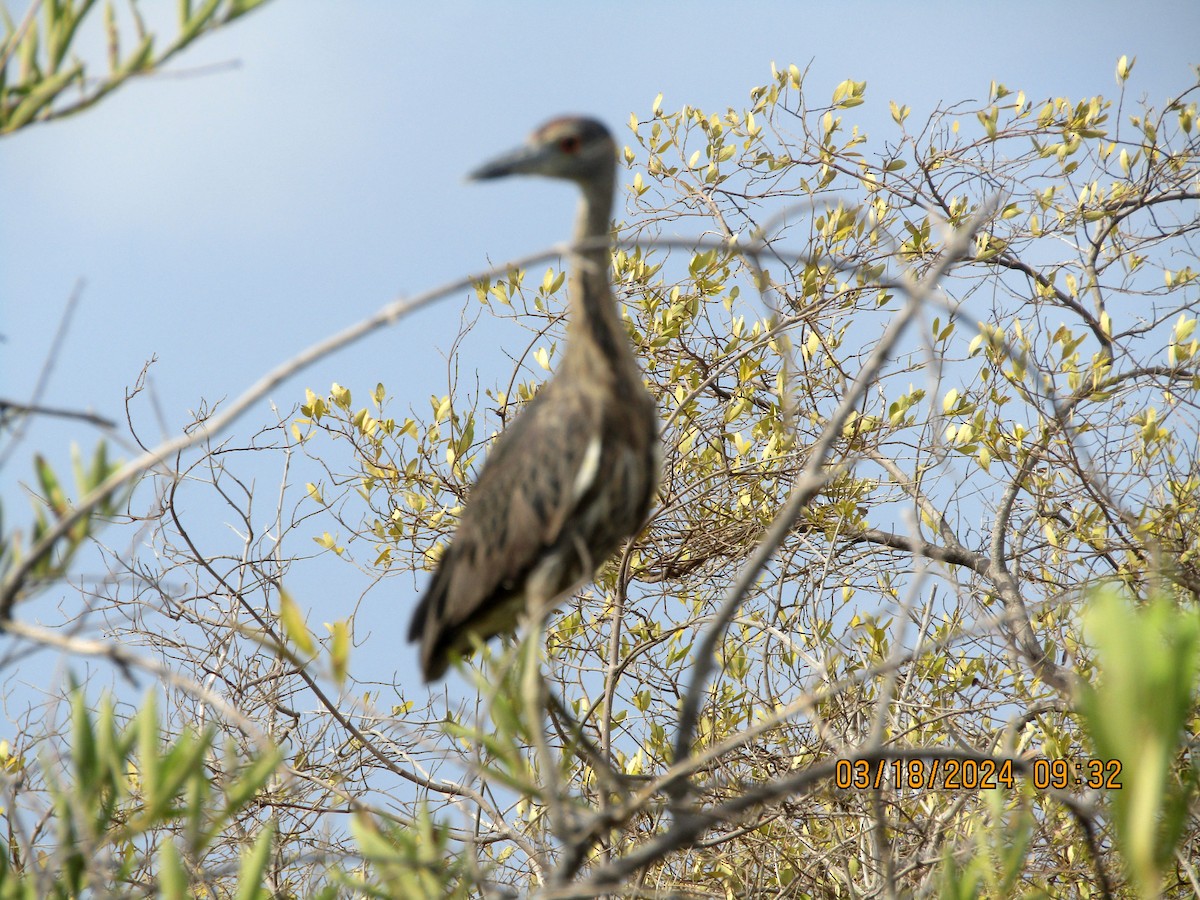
x=574, y=474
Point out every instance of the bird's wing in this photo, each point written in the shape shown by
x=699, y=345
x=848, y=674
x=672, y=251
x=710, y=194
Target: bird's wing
x=536, y=474
x=530, y=485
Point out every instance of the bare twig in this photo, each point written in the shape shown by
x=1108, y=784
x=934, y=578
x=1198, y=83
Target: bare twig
x=43, y=379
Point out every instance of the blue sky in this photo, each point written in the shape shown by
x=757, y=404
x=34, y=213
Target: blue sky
x=222, y=221
x=224, y=217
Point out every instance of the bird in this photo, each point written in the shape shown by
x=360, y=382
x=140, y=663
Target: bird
x=575, y=473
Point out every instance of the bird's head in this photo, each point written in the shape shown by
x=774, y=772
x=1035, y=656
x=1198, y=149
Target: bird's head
x=572, y=147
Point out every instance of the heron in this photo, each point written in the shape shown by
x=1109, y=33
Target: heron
x=574, y=474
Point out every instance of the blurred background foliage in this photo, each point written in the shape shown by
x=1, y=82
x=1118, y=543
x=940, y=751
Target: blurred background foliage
x=1029, y=452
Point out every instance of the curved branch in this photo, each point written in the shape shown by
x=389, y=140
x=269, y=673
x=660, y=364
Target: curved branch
x=955, y=556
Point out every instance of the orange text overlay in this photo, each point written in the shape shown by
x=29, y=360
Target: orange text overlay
x=975, y=774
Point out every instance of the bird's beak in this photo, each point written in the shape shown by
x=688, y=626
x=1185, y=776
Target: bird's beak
x=524, y=160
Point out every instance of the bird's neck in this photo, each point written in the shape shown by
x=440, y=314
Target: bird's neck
x=596, y=338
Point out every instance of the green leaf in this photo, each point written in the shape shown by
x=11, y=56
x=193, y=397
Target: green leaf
x=339, y=650
x=83, y=737
x=254, y=864
x=197, y=22
x=171, y=876
x=148, y=755
x=43, y=94
x=1136, y=713
x=52, y=491
x=251, y=781
x=241, y=7
x=294, y=627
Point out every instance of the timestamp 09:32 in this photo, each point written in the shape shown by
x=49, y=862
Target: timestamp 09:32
x=975, y=774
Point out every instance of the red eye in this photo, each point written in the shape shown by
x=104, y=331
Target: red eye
x=569, y=144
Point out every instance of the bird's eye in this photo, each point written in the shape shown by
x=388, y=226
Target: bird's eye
x=569, y=144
